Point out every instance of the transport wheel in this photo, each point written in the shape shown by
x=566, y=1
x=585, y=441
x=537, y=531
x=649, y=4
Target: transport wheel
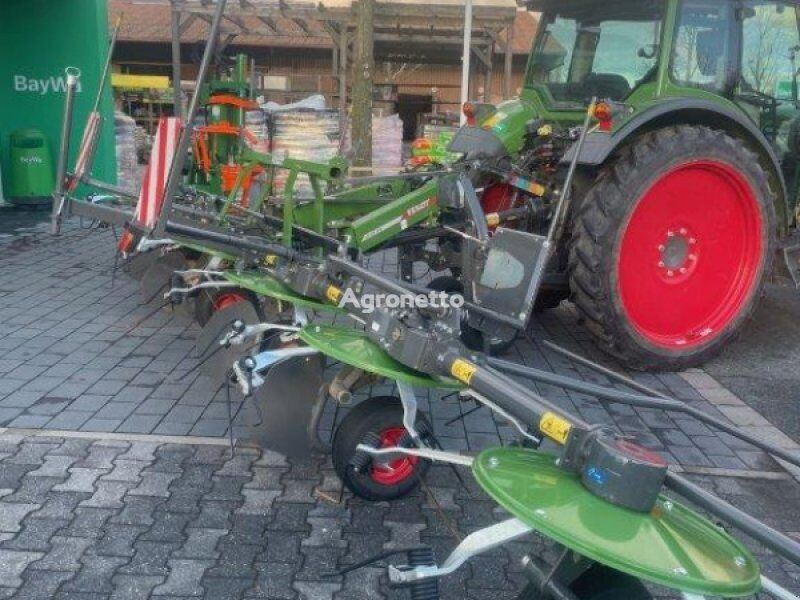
x=599, y=582
x=209, y=301
x=671, y=248
x=472, y=338
x=378, y=420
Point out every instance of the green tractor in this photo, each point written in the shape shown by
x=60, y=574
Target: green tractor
x=688, y=175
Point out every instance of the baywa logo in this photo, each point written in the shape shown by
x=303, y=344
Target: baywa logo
x=42, y=87
x=369, y=302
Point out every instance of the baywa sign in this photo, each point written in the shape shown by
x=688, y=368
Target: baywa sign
x=49, y=85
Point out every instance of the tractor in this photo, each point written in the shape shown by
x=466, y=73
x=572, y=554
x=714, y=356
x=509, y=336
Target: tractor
x=685, y=181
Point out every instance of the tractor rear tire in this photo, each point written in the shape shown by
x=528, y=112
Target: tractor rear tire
x=671, y=247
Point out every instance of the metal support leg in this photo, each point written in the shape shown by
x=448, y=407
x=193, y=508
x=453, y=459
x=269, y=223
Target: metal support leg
x=59, y=195
x=408, y=398
x=476, y=543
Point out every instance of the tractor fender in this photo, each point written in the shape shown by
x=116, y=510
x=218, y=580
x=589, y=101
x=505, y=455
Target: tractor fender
x=599, y=145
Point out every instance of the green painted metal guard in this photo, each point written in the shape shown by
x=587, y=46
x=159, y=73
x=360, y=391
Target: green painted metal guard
x=354, y=348
x=671, y=545
x=382, y=224
x=266, y=285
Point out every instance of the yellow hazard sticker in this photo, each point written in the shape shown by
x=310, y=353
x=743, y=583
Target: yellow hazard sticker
x=333, y=294
x=492, y=121
x=463, y=370
x=537, y=189
x=271, y=260
x=555, y=427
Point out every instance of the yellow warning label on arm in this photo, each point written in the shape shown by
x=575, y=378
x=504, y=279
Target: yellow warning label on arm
x=463, y=370
x=555, y=427
x=537, y=189
x=270, y=260
x=333, y=294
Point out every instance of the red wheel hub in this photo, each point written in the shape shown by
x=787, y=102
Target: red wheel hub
x=397, y=470
x=225, y=300
x=690, y=254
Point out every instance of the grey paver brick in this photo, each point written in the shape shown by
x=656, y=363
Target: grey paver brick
x=95, y=575
x=140, y=451
x=184, y=578
x=26, y=421
x=257, y=502
x=21, y=399
x=137, y=423
x=165, y=428
x=101, y=425
x=36, y=535
x=80, y=480
x=12, y=514
x=126, y=470
x=107, y=387
x=108, y=494
x=200, y=543
x=134, y=587
x=13, y=563
x=89, y=403
x=89, y=522
x=154, y=484
x=39, y=585
x=8, y=414
x=69, y=420
x=64, y=554
x=118, y=540
x=115, y=410
x=155, y=406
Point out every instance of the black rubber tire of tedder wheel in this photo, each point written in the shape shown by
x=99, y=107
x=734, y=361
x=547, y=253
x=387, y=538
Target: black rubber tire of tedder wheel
x=611, y=209
x=371, y=417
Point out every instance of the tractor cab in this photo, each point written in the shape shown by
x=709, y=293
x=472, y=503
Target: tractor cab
x=641, y=52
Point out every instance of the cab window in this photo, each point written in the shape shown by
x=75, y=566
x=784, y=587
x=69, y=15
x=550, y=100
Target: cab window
x=702, y=49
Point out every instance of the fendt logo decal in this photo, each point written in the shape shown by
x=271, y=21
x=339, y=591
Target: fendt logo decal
x=42, y=87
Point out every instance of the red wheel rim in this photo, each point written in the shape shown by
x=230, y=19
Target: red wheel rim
x=228, y=299
x=690, y=254
x=397, y=470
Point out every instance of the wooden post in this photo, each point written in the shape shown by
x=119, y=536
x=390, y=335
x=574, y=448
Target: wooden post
x=509, y=59
x=344, y=42
x=362, y=84
x=489, y=74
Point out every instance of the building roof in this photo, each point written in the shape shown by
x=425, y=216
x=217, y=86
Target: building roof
x=150, y=21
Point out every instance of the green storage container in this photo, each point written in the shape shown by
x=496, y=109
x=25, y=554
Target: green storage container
x=30, y=179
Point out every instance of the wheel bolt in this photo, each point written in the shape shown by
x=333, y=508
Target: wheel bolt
x=692, y=257
x=670, y=273
x=661, y=247
x=661, y=264
x=683, y=269
x=670, y=234
x=692, y=241
x=684, y=231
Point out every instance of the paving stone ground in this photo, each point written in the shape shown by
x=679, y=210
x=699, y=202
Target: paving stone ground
x=85, y=513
